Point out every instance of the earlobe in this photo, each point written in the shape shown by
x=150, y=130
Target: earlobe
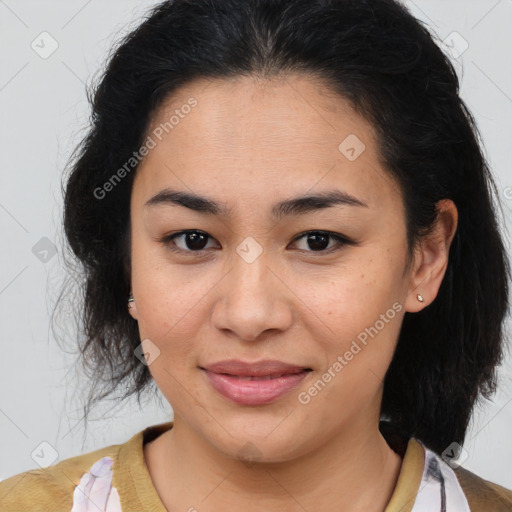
x=432, y=259
x=132, y=308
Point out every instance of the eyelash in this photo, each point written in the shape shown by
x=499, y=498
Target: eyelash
x=342, y=241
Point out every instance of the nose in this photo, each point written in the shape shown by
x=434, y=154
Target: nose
x=254, y=297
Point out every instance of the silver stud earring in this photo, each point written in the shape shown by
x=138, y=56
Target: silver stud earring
x=420, y=298
x=131, y=299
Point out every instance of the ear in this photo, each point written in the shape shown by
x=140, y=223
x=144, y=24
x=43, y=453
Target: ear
x=431, y=258
x=132, y=309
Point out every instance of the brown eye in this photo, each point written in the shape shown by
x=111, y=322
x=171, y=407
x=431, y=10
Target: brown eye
x=318, y=241
x=195, y=241
x=190, y=240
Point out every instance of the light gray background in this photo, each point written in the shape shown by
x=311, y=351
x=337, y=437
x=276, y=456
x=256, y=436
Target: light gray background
x=43, y=114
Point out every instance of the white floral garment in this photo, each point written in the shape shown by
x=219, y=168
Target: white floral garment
x=439, y=489
x=95, y=493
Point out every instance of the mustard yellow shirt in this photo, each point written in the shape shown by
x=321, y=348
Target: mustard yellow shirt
x=116, y=479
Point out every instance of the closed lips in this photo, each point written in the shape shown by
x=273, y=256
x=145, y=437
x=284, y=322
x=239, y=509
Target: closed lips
x=254, y=383
x=264, y=377
x=267, y=369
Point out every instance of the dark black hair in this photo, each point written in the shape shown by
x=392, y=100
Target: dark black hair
x=373, y=53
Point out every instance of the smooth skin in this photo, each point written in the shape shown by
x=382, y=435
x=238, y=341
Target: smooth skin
x=248, y=144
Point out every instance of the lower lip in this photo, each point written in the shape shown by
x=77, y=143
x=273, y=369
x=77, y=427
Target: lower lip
x=254, y=392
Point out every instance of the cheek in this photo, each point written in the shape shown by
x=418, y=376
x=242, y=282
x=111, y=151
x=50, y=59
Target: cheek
x=363, y=326
x=360, y=312
x=352, y=297
x=170, y=317
x=168, y=296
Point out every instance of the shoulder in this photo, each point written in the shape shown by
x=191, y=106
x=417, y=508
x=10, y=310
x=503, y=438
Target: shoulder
x=427, y=481
x=52, y=488
x=482, y=495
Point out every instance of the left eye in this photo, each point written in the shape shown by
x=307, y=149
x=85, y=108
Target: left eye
x=317, y=240
x=195, y=241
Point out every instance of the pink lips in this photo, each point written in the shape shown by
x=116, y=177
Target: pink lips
x=254, y=383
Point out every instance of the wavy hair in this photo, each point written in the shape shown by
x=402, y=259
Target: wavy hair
x=381, y=59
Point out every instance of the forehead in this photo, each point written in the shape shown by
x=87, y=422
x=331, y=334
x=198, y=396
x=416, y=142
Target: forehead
x=278, y=113
x=290, y=134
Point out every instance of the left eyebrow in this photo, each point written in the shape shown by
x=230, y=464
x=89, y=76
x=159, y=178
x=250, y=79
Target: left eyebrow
x=295, y=206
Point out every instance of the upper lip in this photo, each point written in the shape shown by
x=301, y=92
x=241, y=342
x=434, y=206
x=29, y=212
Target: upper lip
x=256, y=369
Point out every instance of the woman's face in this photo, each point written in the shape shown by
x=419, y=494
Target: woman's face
x=253, y=282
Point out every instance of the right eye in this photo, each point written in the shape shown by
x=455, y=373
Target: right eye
x=192, y=240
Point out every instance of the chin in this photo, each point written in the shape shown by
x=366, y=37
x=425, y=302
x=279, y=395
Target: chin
x=269, y=440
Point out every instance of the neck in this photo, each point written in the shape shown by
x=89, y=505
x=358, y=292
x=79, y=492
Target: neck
x=355, y=470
